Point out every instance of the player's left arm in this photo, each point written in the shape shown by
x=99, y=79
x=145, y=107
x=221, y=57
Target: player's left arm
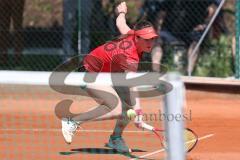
x=121, y=19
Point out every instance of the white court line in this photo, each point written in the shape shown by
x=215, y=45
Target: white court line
x=59, y=130
x=161, y=150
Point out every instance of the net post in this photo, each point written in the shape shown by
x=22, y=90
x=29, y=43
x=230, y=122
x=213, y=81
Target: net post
x=173, y=109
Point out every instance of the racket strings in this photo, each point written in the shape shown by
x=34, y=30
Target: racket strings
x=190, y=139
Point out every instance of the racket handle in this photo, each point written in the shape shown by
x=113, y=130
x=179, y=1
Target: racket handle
x=146, y=126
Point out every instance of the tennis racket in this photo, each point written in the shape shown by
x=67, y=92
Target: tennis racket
x=190, y=138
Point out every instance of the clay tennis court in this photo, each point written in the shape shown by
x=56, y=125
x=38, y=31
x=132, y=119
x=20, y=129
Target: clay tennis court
x=29, y=128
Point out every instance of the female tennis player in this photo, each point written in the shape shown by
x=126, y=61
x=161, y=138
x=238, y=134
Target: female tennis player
x=120, y=55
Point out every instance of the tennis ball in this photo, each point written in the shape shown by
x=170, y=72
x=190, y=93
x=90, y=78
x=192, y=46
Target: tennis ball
x=131, y=113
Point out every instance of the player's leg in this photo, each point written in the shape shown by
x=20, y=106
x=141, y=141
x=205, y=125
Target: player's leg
x=116, y=140
x=123, y=121
x=110, y=108
x=132, y=100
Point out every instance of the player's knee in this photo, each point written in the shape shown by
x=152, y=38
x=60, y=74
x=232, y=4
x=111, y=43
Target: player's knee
x=116, y=109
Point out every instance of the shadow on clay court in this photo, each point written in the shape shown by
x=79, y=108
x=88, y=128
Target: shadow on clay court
x=103, y=151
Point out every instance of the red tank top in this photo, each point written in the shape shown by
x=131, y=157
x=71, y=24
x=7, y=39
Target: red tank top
x=113, y=56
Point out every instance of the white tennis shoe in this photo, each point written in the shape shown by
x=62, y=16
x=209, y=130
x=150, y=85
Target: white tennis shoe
x=69, y=128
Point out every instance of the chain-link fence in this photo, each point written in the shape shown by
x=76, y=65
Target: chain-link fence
x=41, y=34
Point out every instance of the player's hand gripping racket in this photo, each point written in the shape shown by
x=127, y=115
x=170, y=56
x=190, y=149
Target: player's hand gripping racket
x=190, y=138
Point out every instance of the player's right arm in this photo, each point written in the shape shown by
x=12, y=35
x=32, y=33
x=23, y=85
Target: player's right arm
x=121, y=19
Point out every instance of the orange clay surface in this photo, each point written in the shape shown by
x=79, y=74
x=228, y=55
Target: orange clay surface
x=29, y=128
